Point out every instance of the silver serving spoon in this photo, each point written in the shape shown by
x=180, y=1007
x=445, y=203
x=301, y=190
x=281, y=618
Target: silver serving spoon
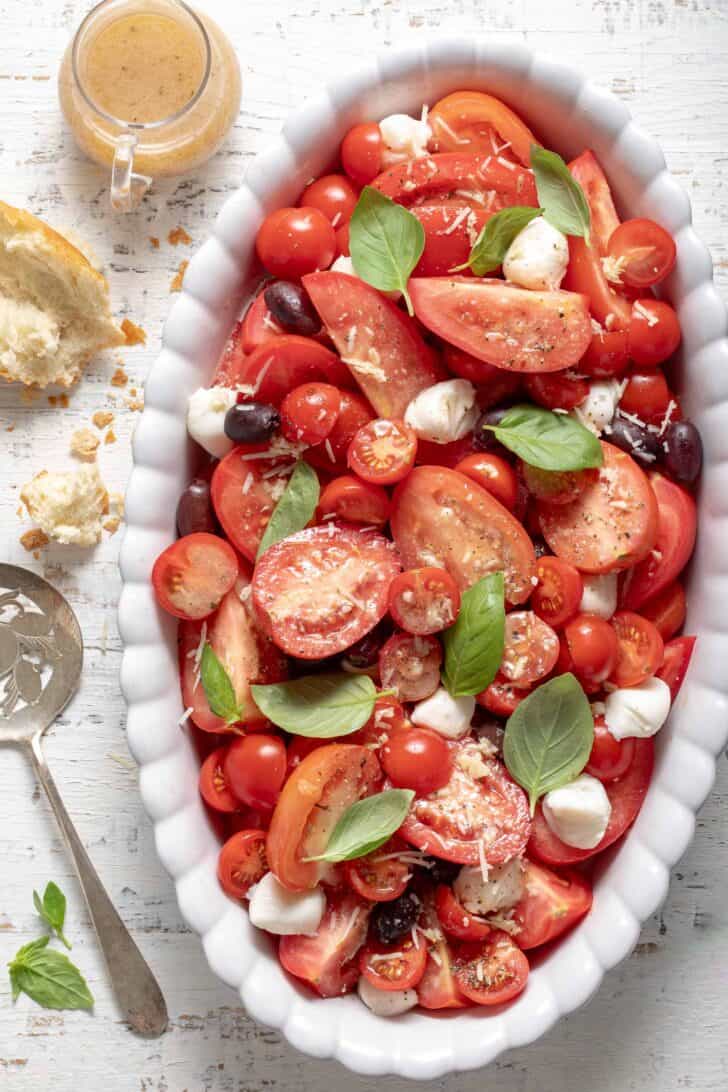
x=41, y=652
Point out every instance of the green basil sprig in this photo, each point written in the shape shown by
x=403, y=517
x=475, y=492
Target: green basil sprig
x=52, y=909
x=549, y=737
x=385, y=242
x=474, y=643
x=367, y=825
x=48, y=977
x=218, y=688
x=491, y=246
x=550, y=441
x=559, y=194
x=318, y=706
x=295, y=508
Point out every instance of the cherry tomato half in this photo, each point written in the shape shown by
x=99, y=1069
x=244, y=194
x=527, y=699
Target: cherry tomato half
x=644, y=251
x=593, y=648
x=654, y=332
x=327, y=960
x=350, y=498
x=215, y=788
x=255, y=768
x=416, y=758
x=557, y=595
x=640, y=648
x=242, y=862
x=309, y=412
x=424, y=600
x=494, y=474
x=455, y=919
x=393, y=967
x=334, y=196
x=530, y=651
x=383, y=451
x=380, y=876
x=193, y=575
x=411, y=666
x=501, y=698
x=292, y=242
x=610, y=758
x=361, y=152
x=551, y=904
x=491, y=971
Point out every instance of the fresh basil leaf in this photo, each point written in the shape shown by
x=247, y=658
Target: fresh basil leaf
x=49, y=978
x=474, y=643
x=295, y=508
x=492, y=244
x=385, y=242
x=549, y=737
x=550, y=441
x=559, y=194
x=218, y=689
x=318, y=706
x=52, y=909
x=367, y=825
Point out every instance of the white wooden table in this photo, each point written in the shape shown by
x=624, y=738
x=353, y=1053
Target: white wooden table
x=659, y=1022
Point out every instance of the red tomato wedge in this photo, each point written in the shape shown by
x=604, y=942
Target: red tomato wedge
x=247, y=656
x=455, y=919
x=611, y=525
x=326, y=961
x=676, y=530
x=192, y=575
x=482, y=180
x=320, y=590
x=319, y=790
x=626, y=797
x=449, y=236
x=380, y=345
x=551, y=904
x=467, y=121
x=276, y=367
x=604, y=219
x=243, y=498
x=676, y=662
x=444, y=519
x=379, y=876
x=437, y=988
x=258, y=327
x=490, y=971
x=512, y=328
x=469, y=815
x=585, y=275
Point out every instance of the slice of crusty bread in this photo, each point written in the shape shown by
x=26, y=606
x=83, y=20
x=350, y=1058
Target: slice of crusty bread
x=54, y=306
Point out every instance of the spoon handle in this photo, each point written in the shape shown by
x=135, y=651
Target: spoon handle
x=133, y=983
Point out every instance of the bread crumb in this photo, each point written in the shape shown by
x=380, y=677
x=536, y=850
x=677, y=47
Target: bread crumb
x=117, y=502
x=178, y=235
x=154, y=241
x=10, y=428
x=112, y=525
x=176, y=285
x=110, y=437
x=29, y=394
x=136, y=404
x=52, y=399
x=19, y=512
x=84, y=444
x=68, y=506
x=134, y=334
x=119, y=378
x=35, y=539
x=102, y=418
x=63, y=401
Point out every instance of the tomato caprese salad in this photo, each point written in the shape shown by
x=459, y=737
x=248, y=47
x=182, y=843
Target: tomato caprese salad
x=428, y=581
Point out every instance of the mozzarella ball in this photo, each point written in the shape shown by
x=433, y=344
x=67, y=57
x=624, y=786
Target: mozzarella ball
x=385, y=1002
x=638, y=712
x=444, y=412
x=502, y=890
x=578, y=813
x=600, y=405
x=277, y=910
x=537, y=258
x=206, y=412
x=599, y=595
x=404, y=137
x=448, y=716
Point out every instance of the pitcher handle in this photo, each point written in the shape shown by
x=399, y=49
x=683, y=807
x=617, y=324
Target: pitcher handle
x=127, y=188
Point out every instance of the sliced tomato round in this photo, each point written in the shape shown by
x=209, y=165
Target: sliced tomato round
x=643, y=251
x=380, y=876
x=639, y=648
x=667, y=610
x=380, y=344
x=354, y=413
x=393, y=967
x=480, y=180
x=276, y=367
x=481, y=124
x=192, y=576
x=383, y=451
x=410, y=665
x=470, y=815
x=449, y=236
x=215, y=788
x=626, y=797
x=442, y=518
x=490, y=971
x=552, y=902
x=455, y=919
x=327, y=961
x=242, y=862
x=245, y=490
x=423, y=601
x=531, y=649
x=513, y=328
x=612, y=525
x=675, y=663
x=320, y=590
x=677, y=521
x=437, y=988
x=557, y=595
x=350, y=498
x=324, y=784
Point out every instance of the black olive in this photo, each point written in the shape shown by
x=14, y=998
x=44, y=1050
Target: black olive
x=390, y=921
x=291, y=307
x=437, y=870
x=636, y=440
x=251, y=422
x=484, y=439
x=194, y=510
x=365, y=652
x=683, y=450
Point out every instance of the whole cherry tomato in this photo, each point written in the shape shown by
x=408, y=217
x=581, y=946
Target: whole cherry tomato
x=255, y=768
x=292, y=242
x=654, y=332
x=334, y=196
x=593, y=648
x=416, y=758
x=361, y=152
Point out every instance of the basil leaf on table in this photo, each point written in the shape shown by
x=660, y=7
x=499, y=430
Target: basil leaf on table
x=52, y=909
x=492, y=244
x=474, y=643
x=367, y=825
x=48, y=977
x=318, y=706
x=550, y=441
x=218, y=689
x=559, y=194
x=295, y=508
x=385, y=242
x=549, y=737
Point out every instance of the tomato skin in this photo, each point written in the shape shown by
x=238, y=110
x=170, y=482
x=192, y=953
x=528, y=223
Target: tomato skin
x=501, y=698
x=292, y=242
x=466, y=120
x=242, y=862
x=556, y=391
x=214, y=786
x=193, y=575
x=491, y=971
x=299, y=747
x=350, y=498
x=309, y=412
x=288, y=361
x=244, y=515
x=644, y=250
x=325, y=783
x=449, y=235
x=436, y=177
x=326, y=961
x=626, y=797
x=402, y=971
x=654, y=332
x=676, y=532
x=585, y=275
x=416, y=758
x=592, y=179
x=377, y=879
x=258, y=327
x=424, y=601
x=437, y=988
x=667, y=610
x=557, y=595
x=455, y=919
x=495, y=475
x=646, y=395
x=255, y=768
x=361, y=152
x=610, y=758
x=383, y=451
x=676, y=662
x=333, y=195
x=640, y=648
x=531, y=649
x=593, y=647
x=551, y=904
x=410, y=665
x=354, y=413
x=607, y=356
x=342, y=241
x=431, y=454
